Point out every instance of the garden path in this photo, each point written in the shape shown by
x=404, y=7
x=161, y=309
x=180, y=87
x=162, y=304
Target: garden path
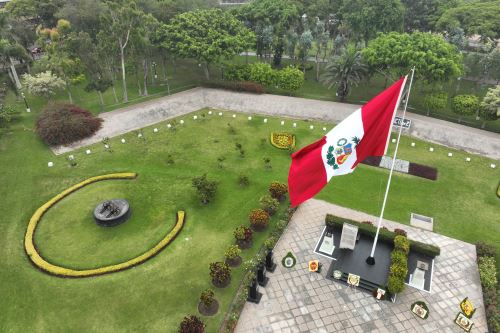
x=296, y=300
x=148, y=113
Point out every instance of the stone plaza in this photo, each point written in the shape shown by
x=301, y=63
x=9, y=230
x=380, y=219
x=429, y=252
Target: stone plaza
x=296, y=300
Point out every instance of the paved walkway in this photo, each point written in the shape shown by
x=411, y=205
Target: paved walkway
x=144, y=114
x=298, y=301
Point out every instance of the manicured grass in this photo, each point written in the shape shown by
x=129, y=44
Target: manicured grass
x=157, y=294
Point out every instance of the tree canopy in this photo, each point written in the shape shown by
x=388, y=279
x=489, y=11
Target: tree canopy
x=367, y=17
x=422, y=15
x=477, y=17
x=207, y=36
x=395, y=53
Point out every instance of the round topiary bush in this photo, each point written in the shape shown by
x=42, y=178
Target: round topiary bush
x=259, y=219
x=62, y=124
x=269, y=204
x=402, y=243
x=243, y=236
x=192, y=324
x=208, y=305
x=465, y=104
x=278, y=190
x=232, y=255
x=220, y=274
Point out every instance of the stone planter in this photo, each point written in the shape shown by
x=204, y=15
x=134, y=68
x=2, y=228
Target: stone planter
x=208, y=310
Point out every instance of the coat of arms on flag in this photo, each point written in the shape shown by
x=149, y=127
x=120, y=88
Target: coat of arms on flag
x=337, y=155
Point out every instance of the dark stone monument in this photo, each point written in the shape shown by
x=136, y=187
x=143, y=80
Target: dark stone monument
x=253, y=292
x=270, y=265
x=261, y=275
x=112, y=212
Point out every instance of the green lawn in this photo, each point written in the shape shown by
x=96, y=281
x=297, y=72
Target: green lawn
x=157, y=294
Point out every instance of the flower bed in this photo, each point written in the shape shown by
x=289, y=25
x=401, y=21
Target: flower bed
x=487, y=274
x=368, y=229
x=283, y=140
x=40, y=262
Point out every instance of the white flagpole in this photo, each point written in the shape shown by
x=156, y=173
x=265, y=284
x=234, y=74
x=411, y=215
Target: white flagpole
x=371, y=259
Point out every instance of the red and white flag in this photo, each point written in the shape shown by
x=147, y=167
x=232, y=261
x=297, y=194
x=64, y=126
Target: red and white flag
x=364, y=133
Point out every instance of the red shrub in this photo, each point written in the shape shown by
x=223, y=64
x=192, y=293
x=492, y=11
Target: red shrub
x=423, y=171
x=259, y=218
x=192, y=324
x=61, y=124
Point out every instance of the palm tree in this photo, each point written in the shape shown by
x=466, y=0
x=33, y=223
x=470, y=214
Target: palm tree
x=344, y=71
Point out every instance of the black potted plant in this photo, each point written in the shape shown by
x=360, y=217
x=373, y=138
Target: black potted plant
x=253, y=288
x=262, y=279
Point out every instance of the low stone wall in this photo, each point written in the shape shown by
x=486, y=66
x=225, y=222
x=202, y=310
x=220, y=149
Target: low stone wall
x=144, y=114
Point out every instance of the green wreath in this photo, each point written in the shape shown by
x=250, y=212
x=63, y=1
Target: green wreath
x=289, y=260
x=423, y=305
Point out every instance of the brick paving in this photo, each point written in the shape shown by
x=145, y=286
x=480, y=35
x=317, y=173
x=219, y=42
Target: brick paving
x=298, y=301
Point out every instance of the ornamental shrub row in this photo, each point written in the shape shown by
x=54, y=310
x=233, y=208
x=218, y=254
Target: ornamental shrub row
x=399, y=265
x=487, y=273
x=242, y=86
x=465, y=104
x=335, y=222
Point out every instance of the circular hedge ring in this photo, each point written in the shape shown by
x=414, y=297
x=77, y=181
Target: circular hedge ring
x=40, y=262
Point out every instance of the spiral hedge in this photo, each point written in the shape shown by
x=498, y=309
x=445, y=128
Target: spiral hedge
x=40, y=262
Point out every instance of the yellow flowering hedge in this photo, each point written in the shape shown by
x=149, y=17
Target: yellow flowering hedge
x=36, y=258
x=283, y=140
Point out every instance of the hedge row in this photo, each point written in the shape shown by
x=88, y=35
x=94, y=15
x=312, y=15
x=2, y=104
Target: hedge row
x=487, y=273
x=368, y=229
x=36, y=258
x=243, y=86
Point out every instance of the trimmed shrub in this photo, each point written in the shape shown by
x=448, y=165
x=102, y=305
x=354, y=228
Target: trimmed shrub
x=402, y=243
x=395, y=285
x=62, y=124
x=258, y=218
x=398, y=257
x=290, y=79
x=278, y=190
x=485, y=250
x=435, y=102
x=192, y=324
x=243, y=233
x=487, y=272
x=423, y=171
x=234, y=72
x=207, y=297
x=400, y=232
x=269, y=204
x=220, y=273
x=232, y=252
x=242, y=86
x=262, y=73
x=399, y=270
x=465, y=104
x=336, y=222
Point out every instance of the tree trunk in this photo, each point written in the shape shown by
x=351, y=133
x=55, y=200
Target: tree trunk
x=69, y=93
x=145, y=66
x=114, y=93
x=206, y=70
x=164, y=65
x=101, y=100
x=124, y=82
x=14, y=74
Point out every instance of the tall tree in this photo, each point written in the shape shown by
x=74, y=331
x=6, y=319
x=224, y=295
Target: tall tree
x=207, y=36
x=422, y=15
x=10, y=50
x=321, y=39
x=475, y=17
x=435, y=60
x=280, y=14
x=58, y=57
x=35, y=12
x=367, y=17
x=305, y=44
x=121, y=19
x=344, y=71
x=491, y=65
x=83, y=15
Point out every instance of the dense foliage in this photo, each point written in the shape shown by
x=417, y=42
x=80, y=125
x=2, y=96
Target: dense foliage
x=278, y=190
x=61, y=124
x=192, y=324
x=243, y=233
x=488, y=275
x=232, y=252
x=258, y=218
x=220, y=273
x=269, y=204
x=465, y=104
x=205, y=188
x=207, y=297
x=490, y=105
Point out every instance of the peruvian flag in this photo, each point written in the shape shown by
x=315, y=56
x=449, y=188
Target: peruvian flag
x=364, y=133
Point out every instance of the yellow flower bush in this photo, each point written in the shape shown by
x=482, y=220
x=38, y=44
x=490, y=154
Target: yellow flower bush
x=283, y=140
x=36, y=258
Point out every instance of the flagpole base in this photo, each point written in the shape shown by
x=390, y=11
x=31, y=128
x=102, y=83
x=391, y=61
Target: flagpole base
x=370, y=260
